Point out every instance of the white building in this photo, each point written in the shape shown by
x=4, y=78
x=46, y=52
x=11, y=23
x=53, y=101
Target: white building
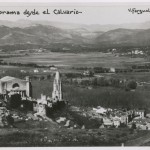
x=100, y=110
x=53, y=68
x=36, y=71
x=116, y=121
x=140, y=113
x=112, y=70
x=107, y=122
x=11, y=85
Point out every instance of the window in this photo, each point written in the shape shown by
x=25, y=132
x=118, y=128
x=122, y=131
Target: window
x=15, y=85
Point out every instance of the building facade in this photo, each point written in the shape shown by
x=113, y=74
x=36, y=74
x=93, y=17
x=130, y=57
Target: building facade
x=10, y=86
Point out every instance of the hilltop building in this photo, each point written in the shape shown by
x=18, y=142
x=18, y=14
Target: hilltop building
x=11, y=85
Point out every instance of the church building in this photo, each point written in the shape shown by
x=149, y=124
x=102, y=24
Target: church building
x=11, y=85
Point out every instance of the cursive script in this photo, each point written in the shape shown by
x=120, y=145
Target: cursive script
x=139, y=11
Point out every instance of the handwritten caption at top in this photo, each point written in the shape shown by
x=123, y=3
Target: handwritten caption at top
x=35, y=12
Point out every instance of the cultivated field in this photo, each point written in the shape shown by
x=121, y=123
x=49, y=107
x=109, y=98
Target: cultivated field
x=77, y=60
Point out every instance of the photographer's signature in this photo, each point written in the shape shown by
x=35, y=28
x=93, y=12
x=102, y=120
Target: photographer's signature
x=139, y=11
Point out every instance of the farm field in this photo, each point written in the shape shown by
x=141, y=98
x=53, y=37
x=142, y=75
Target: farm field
x=137, y=76
x=77, y=60
x=103, y=96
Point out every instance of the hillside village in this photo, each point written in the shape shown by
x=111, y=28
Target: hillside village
x=17, y=93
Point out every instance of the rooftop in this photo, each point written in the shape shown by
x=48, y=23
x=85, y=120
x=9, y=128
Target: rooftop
x=8, y=78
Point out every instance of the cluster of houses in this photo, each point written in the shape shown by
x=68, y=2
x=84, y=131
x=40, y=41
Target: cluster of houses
x=117, y=117
x=36, y=70
x=36, y=51
x=88, y=73
x=133, y=52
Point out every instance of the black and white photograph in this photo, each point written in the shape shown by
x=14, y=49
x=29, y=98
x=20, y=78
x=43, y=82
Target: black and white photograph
x=75, y=75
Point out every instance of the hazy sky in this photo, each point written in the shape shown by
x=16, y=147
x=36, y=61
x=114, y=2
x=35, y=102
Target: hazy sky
x=93, y=14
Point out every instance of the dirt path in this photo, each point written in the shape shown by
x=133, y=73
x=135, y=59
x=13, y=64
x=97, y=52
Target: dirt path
x=141, y=141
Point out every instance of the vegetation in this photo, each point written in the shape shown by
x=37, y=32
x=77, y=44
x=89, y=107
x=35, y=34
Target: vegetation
x=41, y=133
x=132, y=85
x=33, y=65
x=103, y=96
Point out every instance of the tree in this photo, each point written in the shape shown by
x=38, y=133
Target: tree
x=15, y=101
x=133, y=126
x=132, y=85
x=94, y=81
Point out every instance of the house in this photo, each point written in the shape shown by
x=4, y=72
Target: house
x=112, y=70
x=41, y=110
x=66, y=48
x=116, y=122
x=102, y=126
x=89, y=87
x=46, y=70
x=74, y=108
x=148, y=115
x=107, y=122
x=42, y=100
x=100, y=110
x=23, y=71
x=36, y=71
x=86, y=73
x=114, y=50
x=148, y=125
x=124, y=119
x=140, y=123
x=141, y=126
x=53, y=68
x=40, y=106
x=140, y=113
x=130, y=124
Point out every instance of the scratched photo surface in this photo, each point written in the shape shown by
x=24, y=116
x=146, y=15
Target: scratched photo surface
x=74, y=75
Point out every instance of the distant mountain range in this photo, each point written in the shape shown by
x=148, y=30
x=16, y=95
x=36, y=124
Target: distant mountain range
x=45, y=32
x=125, y=37
x=62, y=25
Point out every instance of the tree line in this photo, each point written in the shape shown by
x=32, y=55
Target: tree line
x=104, y=82
x=33, y=65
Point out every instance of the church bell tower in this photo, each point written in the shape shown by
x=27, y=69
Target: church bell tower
x=57, y=93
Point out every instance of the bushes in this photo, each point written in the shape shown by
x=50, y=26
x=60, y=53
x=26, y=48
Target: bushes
x=94, y=81
x=131, y=85
x=15, y=101
x=15, y=73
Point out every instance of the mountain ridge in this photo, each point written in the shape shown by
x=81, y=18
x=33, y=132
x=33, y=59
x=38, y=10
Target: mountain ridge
x=36, y=33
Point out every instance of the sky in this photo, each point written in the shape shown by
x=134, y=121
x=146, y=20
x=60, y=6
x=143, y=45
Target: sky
x=91, y=14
